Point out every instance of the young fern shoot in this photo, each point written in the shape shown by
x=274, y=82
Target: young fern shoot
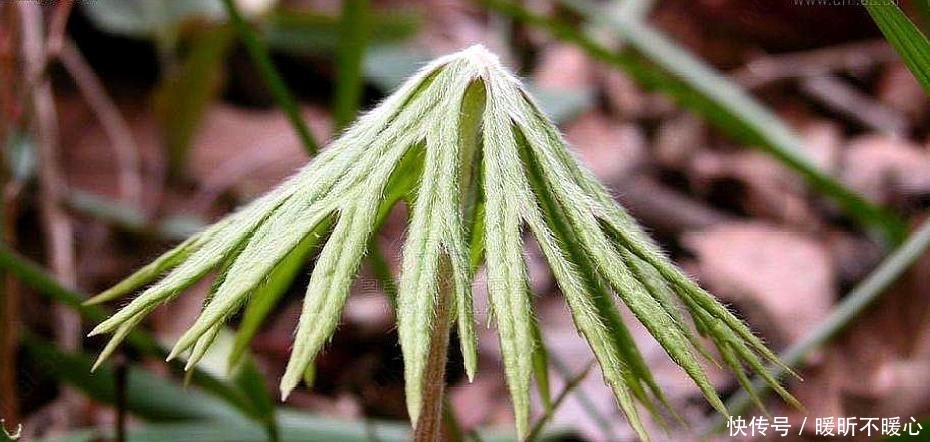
x=479, y=165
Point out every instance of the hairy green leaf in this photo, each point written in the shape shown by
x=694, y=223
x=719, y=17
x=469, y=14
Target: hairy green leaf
x=476, y=161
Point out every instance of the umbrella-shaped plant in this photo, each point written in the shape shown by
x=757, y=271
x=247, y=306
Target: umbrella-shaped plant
x=480, y=166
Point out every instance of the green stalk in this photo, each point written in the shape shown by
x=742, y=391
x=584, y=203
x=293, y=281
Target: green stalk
x=353, y=36
x=570, y=386
x=258, y=50
x=429, y=424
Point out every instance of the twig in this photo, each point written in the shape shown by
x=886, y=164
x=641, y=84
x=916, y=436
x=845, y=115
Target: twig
x=57, y=226
x=10, y=305
x=602, y=421
x=111, y=120
x=9, y=309
x=851, y=57
x=9, y=291
x=56, y=29
x=837, y=94
x=59, y=241
x=9, y=64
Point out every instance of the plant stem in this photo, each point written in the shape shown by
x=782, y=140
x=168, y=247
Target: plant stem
x=429, y=423
x=570, y=386
x=353, y=36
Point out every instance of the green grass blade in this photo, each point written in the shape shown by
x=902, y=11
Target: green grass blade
x=353, y=38
x=906, y=38
x=258, y=50
x=36, y=278
x=251, y=381
x=184, y=95
x=313, y=33
x=148, y=396
x=701, y=89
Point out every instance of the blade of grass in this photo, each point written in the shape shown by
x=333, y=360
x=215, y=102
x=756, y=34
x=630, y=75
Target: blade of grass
x=36, y=278
x=570, y=386
x=183, y=96
x=353, y=38
x=853, y=304
x=258, y=50
x=923, y=10
x=698, y=87
x=148, y=396
x=901, y=32
x=252, y=383
x=303, y=33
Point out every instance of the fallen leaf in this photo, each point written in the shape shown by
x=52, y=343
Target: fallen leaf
x=886, y=170
x=612, y=151
x=249, y=151
x=782, y=280
x=768, y=189
x=564, y=66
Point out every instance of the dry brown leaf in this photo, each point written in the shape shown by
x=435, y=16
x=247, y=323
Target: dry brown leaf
x=678, y=140
x=898, y=89
x=565, y=67
x=612, y=151
x=769, y=190
x=886, y=170
x=249, y=151
x=782, y=280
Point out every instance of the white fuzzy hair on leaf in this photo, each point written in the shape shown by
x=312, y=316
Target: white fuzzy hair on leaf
x=464, y=127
